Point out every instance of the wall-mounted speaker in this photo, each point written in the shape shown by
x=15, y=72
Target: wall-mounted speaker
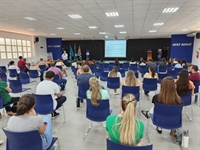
x=198, y=35
x=36, y=39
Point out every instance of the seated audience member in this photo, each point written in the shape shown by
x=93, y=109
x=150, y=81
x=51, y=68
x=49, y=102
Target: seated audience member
x=42, y=62
x=163, y=63
x=141, y=61
x=7, y=99
x=116, y=62
x=167, y=96
x=171, y=61
x=125, y=128
x=132, y=61
x=101, y=61
x=27, y=66
x=114, y=73
x=58, y=72
x=48, y=62
x=22, y=63
x=151, y=63
x=184, y=62
x=13, y=66
x=183, y=84
x=35, y=67
x=88, y=61
x=151, y=74
x=93, y=63
x=60, y=63
x=80, y=70
x=178, y=64
x=96, y=93
x=47, y=86
x=175, y=60
x=194, y=74
x=131, y=80
x=26, y=120
x=74, y=63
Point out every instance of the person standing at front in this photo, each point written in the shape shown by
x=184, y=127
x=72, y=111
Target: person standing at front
x=65, y=58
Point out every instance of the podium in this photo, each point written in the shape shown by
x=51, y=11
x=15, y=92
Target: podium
x=149, y=55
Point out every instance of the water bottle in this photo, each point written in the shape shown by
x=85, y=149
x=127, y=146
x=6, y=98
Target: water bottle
x=185, y=139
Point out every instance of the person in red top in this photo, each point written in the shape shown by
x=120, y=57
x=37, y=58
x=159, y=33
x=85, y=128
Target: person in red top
x=194, y=74
x=21, y=63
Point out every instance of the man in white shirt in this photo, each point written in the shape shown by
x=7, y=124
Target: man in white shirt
x=49, y=87
x=65, y=58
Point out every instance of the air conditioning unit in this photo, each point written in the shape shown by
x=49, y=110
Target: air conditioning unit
x=192, y=34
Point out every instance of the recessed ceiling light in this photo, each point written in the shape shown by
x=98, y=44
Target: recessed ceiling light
x=170, y=10
x=92, y=27
x=52, y=34
x=184, y=29
x=77, y=34
x=106, y=37
x=112, y=14
x=75, y=16
x=158, y=24
x=198, y=22
x=153, y=31
x=102, y=32
x=29, y=18
x=119, y=26
x=30, y=29
x=122, y=32
x=60, y=28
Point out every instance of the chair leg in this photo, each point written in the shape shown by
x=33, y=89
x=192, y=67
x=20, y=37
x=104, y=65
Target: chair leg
x=63, y=119
x=188, y=115
x=58, y=145
x=147, y=133
x=88, y=130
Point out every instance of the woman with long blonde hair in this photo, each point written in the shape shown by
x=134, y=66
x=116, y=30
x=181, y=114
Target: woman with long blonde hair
x=125, y=128
x=96, y=92
x=131, y=80
x=114, y=73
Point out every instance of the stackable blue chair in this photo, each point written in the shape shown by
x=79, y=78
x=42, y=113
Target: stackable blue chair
x=98, y=72
x=24, y=78
x=143, y=69
x=33, y=74
x=16, y=86
x=122, y=71
x=82, y=90
x=125, y=66
x=103, y=76
x=3, y=76
x=172, y=73
x=111, y=64
x=135, y=90
x=56, y=79
x=166, y=117
x=24, y=140
x=185, y=67
x=101, y=66
x=133, y=67
x=161, y=76
x=96, y=113
x=178, y=70
x=169, y=67
x=196, y=90
x=21, y=69
x=42, y=67
x=136, y=74
x=162, y=69
x=60, y=67
x=106, y=67
x=3, y=69
x=150, y=84
x=117, y=146
x=93, y=69
x=113, y=83
x=13, y=73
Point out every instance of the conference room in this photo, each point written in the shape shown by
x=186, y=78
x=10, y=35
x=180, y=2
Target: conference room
x=99, y=74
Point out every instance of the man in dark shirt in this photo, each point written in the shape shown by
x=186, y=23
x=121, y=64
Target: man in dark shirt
x=194, y=75
x=151, y=63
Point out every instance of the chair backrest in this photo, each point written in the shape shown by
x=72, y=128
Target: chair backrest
x=150, y=84
x=98, y=113
x=117, y=146
x=167, y=116
x=42, y=67
x=43, y=104
x=133, y=67
x=169, y=67
x=135, y=90
x=187, y=99
x=13, y=73
x=122, y=71
x=2, y=69
x=82, y=90
x=106, y=67
x=33, y=73
x=60, y=67
x=178, y=70
x=161, y=77
x=16, y=86
x=185, y=67
x=23, y=140
x=98, y=72
x=136, y=74
x=24, y=78
x=22, y=69
x=196, y=84
x=104, y=76
x=172, y=73
x=125, y=66
x=101, y=66
x=162, y=68
x=56, y=79
x=113, y=83
x=3, y=76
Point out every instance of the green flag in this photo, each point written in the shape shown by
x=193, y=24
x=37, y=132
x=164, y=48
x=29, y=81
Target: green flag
x=75, y=52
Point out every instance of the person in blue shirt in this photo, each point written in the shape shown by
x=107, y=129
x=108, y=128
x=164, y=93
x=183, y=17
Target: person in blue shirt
x=178, y=65
x=151, y=63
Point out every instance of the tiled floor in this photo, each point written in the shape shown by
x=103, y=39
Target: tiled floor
x=71, y=134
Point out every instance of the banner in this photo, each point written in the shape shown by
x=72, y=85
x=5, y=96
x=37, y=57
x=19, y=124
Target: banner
x=71, y=55
x=54, y=45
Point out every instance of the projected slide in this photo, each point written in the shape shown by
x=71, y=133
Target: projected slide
x=115, y=48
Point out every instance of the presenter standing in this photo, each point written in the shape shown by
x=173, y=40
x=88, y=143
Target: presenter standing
x=65, y=58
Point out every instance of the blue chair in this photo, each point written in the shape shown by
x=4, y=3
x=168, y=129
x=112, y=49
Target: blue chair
x=82, y=90
x=150, y=84
x=24, y=78
x=101, y=66
x=104, y=76
x=178, y=70
x=117, y=146
x=135, y=90
x=166, y=117
x=111, y=64
x=113, y=83
x=60, y=67
x=98, y=72
x=3, y=76
x=185, y=67
x=188, y=102
x=93, y=69
x=44, y=105
x=21, y=69
x=33, y=74
x=122, y=71
x=96, y=113
x=16, y=86
x=125, y=66
x=142, y=69
x=42, y=67
x=169, y=67
x=106, y=67
x=13, y=73
x=56, y=79
x=133, y=67
x=3, y=69
x=172, y=73
x=24, y=140
x=162, y=69
x=161, y=77
x=196, y=90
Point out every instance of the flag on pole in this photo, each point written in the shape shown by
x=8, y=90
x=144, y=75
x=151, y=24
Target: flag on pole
x=71, y=54
x=75, y=52
x=79, y=53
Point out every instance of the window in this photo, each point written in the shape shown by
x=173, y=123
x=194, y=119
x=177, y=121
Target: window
x=13, y=48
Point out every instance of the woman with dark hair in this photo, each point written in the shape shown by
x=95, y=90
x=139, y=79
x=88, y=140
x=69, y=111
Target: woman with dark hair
x=151, y=74
x=132, y=61
x=26, y=120
x=116, y=62
x=164, y=62
x=184, y=62
x=183, y=84
x=167, y=96
x=178, y=64
x=101, y=61
x=13, y=66
x=171, y=61
x=141, y=61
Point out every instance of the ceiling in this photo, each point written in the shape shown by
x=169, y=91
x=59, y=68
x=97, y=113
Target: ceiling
x=137, y=16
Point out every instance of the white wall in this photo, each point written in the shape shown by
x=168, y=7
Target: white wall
x=37, y=46
x=196, y=48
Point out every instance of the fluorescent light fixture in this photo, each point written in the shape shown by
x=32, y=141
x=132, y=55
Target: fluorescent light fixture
x=106, y=37
x=31, y=29
x=52, y=34
x=153, y=31
x=112, y=14
x=198, y=22
x=102, y=32
x=92, y=27
x=122, y=32
x=184, y=29
x=60, y=28
x=77, y=34
x=29, y=18
x=158, y=24
x=170, y=10
x=119, y=26
x=75, y=16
